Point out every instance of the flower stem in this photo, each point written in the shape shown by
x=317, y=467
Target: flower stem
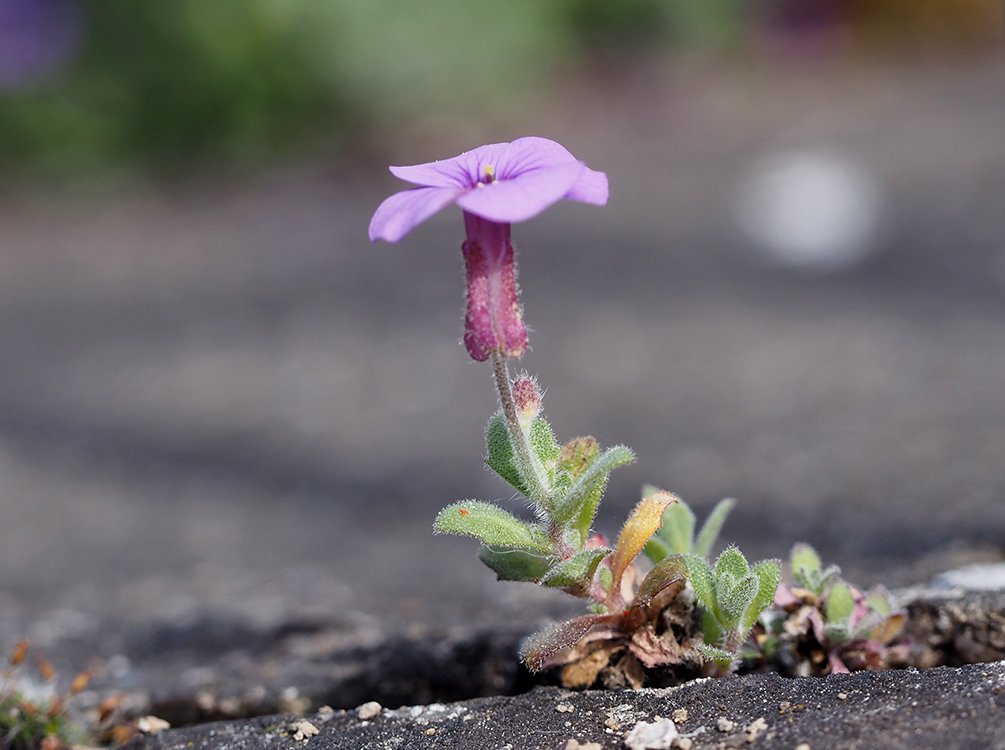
x=530, y=469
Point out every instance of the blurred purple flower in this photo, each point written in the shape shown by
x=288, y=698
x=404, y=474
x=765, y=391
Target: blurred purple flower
x=496, y=185
x=36, y=38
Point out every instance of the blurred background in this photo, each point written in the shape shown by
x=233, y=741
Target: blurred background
x=215, y=395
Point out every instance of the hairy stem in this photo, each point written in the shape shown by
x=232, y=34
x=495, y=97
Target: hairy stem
x=530, y=468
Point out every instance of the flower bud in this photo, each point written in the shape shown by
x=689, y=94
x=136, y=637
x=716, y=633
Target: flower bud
x=578, y=454
x=493, y=321
x=527, y=396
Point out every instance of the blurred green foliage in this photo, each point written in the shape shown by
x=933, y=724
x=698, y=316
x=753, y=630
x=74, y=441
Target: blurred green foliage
x=161, y=84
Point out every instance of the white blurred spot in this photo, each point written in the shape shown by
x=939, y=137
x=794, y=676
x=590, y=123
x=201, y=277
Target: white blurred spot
x=810, y=210
x=978, y=577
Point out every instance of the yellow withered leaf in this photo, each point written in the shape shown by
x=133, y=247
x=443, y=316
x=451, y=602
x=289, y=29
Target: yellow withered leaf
x=19, y=652
x=80, y=682
x=45, y=669
x=645, y=520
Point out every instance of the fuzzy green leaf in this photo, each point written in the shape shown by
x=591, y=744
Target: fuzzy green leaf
x=542, y=645
x=730, y=568
x=735, y=600
x=700, y=575
x=830, y=575
x=514, y=563
x=878, y=601
x=669, y=571
x=579, y=504
x=678, y=528
x=491, y=525
x=712, y=526
x=576, y=573
x=806, y=567
x=650, y=489
x=837, y=632
x=656, y=549
x=719, y=656
x=768, y=574
x=545, y=447
x=840, y=603
x=606, y=578
x=500, y=456
x=711, y=628
x=804, y=557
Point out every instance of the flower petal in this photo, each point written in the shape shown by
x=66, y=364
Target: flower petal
x=463, y=170
x=591, y=187
x=523, y=197
x=402, y=212
x=530, y=154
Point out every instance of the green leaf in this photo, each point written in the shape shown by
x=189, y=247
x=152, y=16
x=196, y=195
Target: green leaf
x=514, y=563
x=542, y=645
x=576, y=573
x=579, y=505
x=712, y=526
x=730, y=568
x=491, y=525
x=650, y=489
x=735, y=600
x=768, y=574
x=656, y=549
x=501, y=458
x=606, y=578
x=805, y=564
x=830, y=576
x=719, y=656
x=545, y=447
x=840, y=603
x=711, y=628
x=837, y=632
x=878, y=601
x=700, y=575
x=671, y=570
x=678, y=528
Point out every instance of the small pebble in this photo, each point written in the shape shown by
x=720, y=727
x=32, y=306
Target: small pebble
x=565, y=708
x=842, y=696
x=292, y=702
x=151, y=725
x=725, y=725
x=369, y=710
x=577, y=745
x=302, y=730
x=205, y=700
x=431, y=731
x=655, y=735
x=754, y=728
x=679, y=715
x=683, y=743
x=803, y=746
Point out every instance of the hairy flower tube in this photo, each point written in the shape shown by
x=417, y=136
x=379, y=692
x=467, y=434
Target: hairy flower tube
x=496, y=185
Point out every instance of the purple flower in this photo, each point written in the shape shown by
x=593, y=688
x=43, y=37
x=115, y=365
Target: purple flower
x=36, y=38
x=496, y=185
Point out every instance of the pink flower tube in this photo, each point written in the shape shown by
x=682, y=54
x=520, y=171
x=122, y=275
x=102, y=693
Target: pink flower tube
x=495, y=185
